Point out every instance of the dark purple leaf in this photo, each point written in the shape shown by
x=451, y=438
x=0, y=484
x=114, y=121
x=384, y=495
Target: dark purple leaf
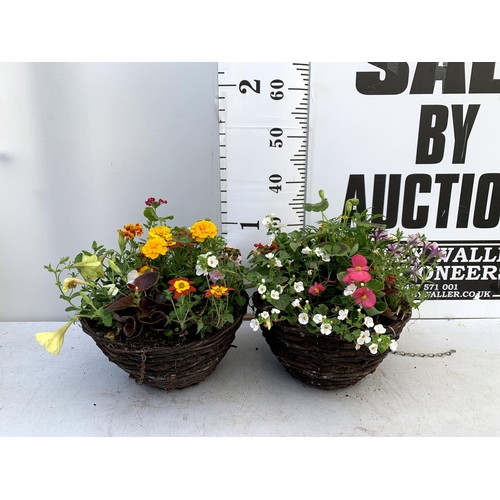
x=120, y=303
x=156, y=317
x=144, y=281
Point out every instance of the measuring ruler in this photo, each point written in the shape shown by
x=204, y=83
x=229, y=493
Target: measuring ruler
x=263, y=131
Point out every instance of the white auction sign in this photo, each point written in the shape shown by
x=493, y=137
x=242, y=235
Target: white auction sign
x=420, y=143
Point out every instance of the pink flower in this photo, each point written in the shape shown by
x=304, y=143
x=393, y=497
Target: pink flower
x=359, y=271
x=365, y=297
x=316, y=289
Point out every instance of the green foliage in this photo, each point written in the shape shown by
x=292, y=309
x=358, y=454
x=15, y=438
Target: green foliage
x=341, y=274
x=185, y=281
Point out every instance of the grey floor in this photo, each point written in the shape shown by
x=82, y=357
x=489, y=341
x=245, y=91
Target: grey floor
x=80, y=393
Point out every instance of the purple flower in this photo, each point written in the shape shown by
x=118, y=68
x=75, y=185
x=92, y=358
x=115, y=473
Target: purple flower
x=414, y=239
x=431, y=250
x=394, y=248
x=379, y=234
x=216, y=275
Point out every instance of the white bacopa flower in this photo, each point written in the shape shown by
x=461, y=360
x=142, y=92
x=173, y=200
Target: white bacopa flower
x=262, y=289
x=326, y=329
x=201, y=271
x=393, y=345
x=278, y=263
x=264, y=315
x=306, y=251
x=112, y=289
x=254, y=324
x=296, y=303
x=275, y=311
x=350, y=289
x=343, y=314
x=318, y=251
x=212, y=261
x=364, y=337
x=269, y=255
x=275, y=294
x=379, y=329
x=369, y=322
x=318, y=318
x=357, y=347
x=325, y=258
x=309, y=272
x=267, y=221
x=373, y=348
x=298, y=286
x=303, y=318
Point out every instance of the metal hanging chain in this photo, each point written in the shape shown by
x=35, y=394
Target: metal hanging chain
x=422, y=355
x=427, y=355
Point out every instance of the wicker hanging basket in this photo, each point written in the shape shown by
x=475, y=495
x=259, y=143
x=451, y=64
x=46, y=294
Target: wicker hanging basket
x=168, y=367
x=326, y=362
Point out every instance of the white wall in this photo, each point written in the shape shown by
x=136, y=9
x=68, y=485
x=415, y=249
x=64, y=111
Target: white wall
x=82, y=145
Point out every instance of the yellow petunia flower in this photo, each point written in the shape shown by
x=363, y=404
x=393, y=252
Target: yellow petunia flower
x=53, y=341
x=203, y=229
x=90, y=267
x=154, y=248
x=69, y=283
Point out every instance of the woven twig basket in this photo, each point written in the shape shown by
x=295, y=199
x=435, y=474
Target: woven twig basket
x=168, y=368
x=323, y=361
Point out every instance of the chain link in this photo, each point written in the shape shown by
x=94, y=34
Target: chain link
x=428, y=355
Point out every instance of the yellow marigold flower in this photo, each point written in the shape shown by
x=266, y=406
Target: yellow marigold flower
x=161, y=232
x=154, y=247
x=69, y=283
x=130, y=231
x=53, y=341
x=203, y=229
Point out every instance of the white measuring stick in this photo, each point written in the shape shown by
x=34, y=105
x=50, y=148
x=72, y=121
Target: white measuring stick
x=263, y=130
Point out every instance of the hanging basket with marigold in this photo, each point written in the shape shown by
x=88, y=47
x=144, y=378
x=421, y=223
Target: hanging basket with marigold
x=165, y=290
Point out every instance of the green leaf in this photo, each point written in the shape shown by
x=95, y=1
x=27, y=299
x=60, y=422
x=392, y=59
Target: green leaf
x=282, y=303
x=310, y=328
x=334, y=249
x=322, y=309
x=105, y=316
x=150, y=214
x=240, y=300
x=378, y=308
x=375, y=285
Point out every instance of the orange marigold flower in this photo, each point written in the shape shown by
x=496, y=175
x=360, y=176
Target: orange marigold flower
x=217, y=291
x=154, y=248
x=202, y=230
x=130, y=231
x=181, y=286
